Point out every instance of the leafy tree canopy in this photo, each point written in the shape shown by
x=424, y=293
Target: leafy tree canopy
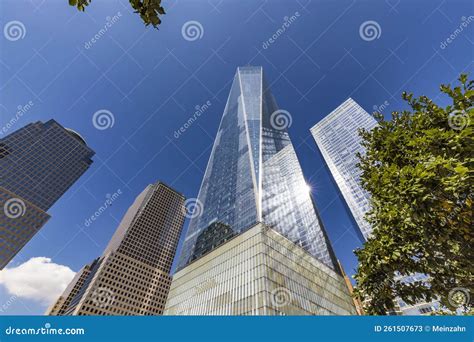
x=418, y=168
x=149, y=10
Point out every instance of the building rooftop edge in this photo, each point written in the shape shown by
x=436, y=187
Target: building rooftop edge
x=76, y=135
x=332, y=113
x=158, y=182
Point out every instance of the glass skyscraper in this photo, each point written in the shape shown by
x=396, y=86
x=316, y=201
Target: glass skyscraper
x=253, y=175
x=337, y=137
x=40, y=161
x=38, y=164
x=256, y=245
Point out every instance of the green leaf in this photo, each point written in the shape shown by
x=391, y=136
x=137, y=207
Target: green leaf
x=419, y=173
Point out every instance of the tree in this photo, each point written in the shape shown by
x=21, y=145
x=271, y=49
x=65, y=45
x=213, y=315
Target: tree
x=149, y=10
x=418, y=168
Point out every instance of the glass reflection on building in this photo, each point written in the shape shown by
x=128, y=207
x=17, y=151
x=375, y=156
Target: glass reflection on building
x=253, y=175
x=337, y=137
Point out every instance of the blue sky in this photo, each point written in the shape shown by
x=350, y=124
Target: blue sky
x=152, y=80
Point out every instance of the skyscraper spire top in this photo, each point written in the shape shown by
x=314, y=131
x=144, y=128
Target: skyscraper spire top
x=253, y=174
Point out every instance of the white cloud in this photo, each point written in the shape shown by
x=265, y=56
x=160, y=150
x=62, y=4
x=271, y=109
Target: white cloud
x=37, y=279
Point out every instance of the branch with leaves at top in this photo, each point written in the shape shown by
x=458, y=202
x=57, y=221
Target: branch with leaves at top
x=149, y=10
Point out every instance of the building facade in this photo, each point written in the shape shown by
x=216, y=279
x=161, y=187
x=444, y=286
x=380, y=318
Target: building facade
x=337, y=137
x=58, y=308
x=253, y=176
x=41, y=161
x=132, y=277
x=258, y=272
x=38, y=164
x=419, y=308
x=20, y=220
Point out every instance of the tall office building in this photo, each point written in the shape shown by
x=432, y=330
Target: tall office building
x=132, y=277
x=231, y=261
x=337, y=137
x=62, y=303
x=38, y=164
